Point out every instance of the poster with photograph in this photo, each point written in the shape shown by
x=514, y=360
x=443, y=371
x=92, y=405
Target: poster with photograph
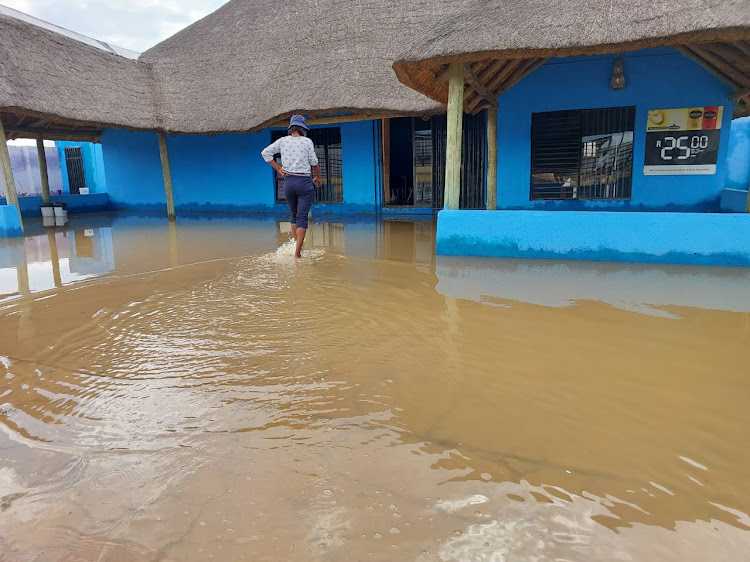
x=682, y=141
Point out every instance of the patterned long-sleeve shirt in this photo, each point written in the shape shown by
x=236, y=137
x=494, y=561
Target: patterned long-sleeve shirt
x=297, y=154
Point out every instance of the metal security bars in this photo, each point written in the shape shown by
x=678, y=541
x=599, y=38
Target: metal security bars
x=327, y=143
x=74, y=163
x=582, y=154
x=473, y=158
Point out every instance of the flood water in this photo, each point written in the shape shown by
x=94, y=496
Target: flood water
x=189, y=392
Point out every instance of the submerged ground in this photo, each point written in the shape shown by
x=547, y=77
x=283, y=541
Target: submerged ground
x=189, y=392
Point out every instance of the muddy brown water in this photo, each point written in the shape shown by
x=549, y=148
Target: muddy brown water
x=193, y=393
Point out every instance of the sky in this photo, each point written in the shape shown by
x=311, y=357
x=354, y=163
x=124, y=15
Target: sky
x=133, y=24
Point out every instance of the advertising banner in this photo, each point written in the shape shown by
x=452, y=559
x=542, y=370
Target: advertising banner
x=682, y=141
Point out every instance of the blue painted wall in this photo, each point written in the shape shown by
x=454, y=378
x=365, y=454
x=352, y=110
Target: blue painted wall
x=133, y=168
x=226, y=172
x=656, y=78
x=697, y=238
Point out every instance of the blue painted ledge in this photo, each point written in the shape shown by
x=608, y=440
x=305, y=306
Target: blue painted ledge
x=91, y=203
x=10, y=222
x=281, y=209
x=693, y=238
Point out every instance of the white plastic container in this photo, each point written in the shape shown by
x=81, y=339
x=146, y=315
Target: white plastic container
x=83, y=190
x=48, y=211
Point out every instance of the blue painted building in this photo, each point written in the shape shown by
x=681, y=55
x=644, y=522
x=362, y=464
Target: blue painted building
x=613, y=143
x=226, y=172
x=617, y=113
x=656, y=78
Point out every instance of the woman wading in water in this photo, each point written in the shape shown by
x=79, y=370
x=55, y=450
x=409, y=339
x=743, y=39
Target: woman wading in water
x=297, y=157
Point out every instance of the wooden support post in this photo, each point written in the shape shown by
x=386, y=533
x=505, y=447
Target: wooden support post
x=453, y=148
x=54, y=257
x=22, y=273
x=11, y=196
x=174, y=255
x=492, y=158
x=167, y=174
x=43, y=167
x=386, y=161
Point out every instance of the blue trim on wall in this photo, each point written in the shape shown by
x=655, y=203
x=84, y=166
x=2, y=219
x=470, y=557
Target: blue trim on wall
x=706, y=239
x=92, y=203
x=656, y=79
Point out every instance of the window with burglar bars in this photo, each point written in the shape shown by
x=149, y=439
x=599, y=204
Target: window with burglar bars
x=327, y=143
x=582, y=154
x=74, y=164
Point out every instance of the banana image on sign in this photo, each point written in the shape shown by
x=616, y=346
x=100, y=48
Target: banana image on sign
x=683, y=141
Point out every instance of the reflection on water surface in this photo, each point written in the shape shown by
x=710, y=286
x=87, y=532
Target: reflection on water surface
x=188, y=392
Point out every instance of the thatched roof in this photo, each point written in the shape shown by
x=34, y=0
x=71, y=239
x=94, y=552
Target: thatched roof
x=50, y=80
x=253, y=63
x=250, y=64
x=513, y=37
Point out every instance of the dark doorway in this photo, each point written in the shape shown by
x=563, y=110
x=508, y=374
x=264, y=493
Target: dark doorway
x=74, y=163
x=402, y=165
x=417, y=161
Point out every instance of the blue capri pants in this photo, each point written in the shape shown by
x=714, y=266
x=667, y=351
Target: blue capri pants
x=299, y=192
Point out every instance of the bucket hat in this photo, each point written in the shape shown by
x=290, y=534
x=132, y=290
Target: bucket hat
x=300, y=121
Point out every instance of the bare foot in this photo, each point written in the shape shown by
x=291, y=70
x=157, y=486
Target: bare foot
x=298, y=255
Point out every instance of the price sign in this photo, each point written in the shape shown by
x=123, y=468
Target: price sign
x=683, y=141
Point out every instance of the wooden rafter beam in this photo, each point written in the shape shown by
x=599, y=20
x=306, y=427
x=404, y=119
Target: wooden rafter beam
x=711, y=63
x=60, y=134
x=521, y=73
x=494, y=84
x=740, y=94
x=499, y=79
x=471, y=93
x=442, y=75
x=330, y=119
x=730, y=52
x=727, y=68
x=488, y=73
x=478, y=87
x=742, y=46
